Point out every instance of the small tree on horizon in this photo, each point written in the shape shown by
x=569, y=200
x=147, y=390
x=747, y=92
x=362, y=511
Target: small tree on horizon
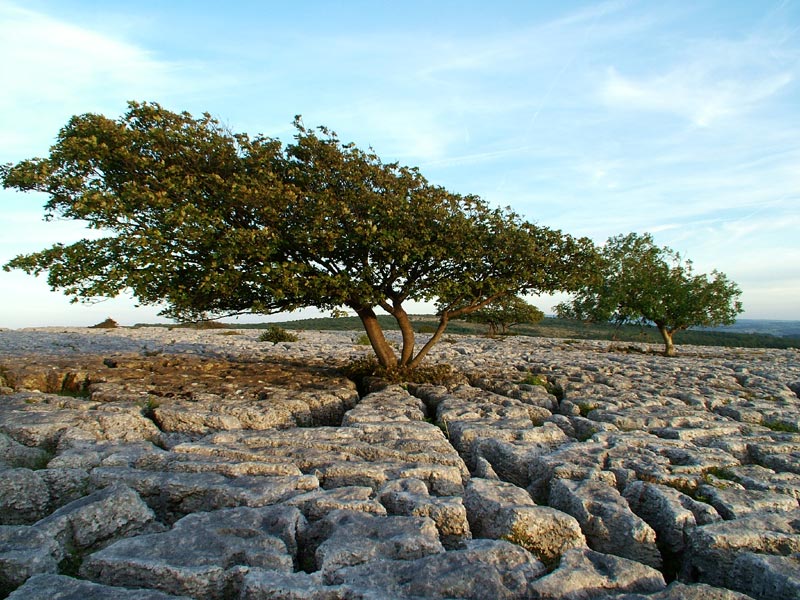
x=505, y=313
x=208, y=224
x=639, y=282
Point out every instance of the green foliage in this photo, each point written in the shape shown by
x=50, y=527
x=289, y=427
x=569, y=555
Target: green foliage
x=277, y=334
x=533, y=379
x=363, y=340
x=638, y=282
x=209, y=223
x=361, y=368
x=504, y=313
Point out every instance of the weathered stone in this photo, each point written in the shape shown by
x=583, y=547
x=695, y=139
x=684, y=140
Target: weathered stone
x=681, y=591
x=499, y=510
x=767, y=577
x=584, y=573
x=24, y=497
x=24, y=552
x=13, y=454
x=509, y=459
x=577, y=461
x=59, y=587
x=756, y=477
x=669, y=512
x=66, y=485
x=98, y=519
x=392, y=403
x=606, y=520
x=345, y=538
x=410, y=497
x=174, y=495
x=318, y=503
x=483, y=569
x=198, y=556
x=713, y=549
x=261, y=584
x=732, y=503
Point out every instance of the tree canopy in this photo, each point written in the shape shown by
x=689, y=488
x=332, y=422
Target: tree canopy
x=208, y=223
x=639, y=282
x=504, y=313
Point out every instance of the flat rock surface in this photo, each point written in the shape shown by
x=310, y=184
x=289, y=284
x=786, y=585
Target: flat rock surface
x=169, y=462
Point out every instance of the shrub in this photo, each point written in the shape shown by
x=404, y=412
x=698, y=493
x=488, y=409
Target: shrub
x=363, y=340
x=440, y=374
x=277, y=334
x=109, y=323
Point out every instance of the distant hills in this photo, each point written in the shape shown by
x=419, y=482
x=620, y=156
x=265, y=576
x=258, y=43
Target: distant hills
x=747, y=333
x=763, y=326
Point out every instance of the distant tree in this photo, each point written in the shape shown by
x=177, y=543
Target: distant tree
x=505, y=313
x=638, y=282
x=207, y=223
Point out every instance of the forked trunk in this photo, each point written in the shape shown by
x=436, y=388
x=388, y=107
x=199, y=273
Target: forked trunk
x=383, y=351
x=669, y=347
x=407, y=331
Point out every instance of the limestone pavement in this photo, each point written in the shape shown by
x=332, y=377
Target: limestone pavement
x=163, y=463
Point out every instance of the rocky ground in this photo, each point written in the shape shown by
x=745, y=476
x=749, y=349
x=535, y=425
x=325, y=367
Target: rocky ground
x=158, y=463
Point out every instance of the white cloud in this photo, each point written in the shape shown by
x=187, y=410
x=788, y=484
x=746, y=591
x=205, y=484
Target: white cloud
x=692, y=92
x=53, y=69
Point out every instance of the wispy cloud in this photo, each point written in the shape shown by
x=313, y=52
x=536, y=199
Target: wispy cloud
x=53, y=69
x=712, y=80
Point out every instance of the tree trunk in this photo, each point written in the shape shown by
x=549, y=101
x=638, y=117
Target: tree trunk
x=669, y=347
x=383, y=351
x=435, y=338
x=407, y=330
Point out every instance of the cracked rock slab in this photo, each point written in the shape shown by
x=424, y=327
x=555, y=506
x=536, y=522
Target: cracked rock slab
x=584, y=573
x=199, y=555
x=713, y=549
x=345, y=538
x=483, y=569
x=59, y=587
x=499, y=510
x=606, y=520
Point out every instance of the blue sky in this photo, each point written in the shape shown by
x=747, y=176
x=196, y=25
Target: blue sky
x=681, y=119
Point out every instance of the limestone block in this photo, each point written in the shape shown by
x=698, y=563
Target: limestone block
x=669, y=512
x=606, y=520
x=681, y=591
x=755, y=477
x=767, y=577
x=499, y=510
x=24, y=552
x=577, y=461
x=98, y=519
x=584, y=573
x=713, y=549
x=174, y=495
x=483, y=569
x=510, y=459
x=732, y=503
x=14, y=454
x=392, y=403
x=59, y=587
x=318, y=503
x=410, y=497
x=199, y=555
x=344, y=538
x=66, y=485
x=24, y=497
x=261, y=584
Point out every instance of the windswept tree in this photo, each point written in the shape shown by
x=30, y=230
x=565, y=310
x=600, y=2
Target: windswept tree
x=208, y=224
x=639, y=282
x=505, y=313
